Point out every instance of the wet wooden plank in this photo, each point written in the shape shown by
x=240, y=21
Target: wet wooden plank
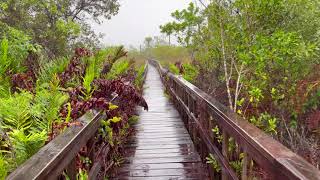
x=162, y=172
x=166, y=130
x=152, y=160
x=160, y=154
x=182, y=151
x=161, y=178
x=160, y=130
x=158, y=123
x=162, y=134
x=142, y=142
x=171, y=146
x=156, y=136
x=159, y=117
x=161, y=147
x=178, y=155
x=154, y=131
x=159, y=126
x=162, y=121
x=193, y=165
x=159, y=139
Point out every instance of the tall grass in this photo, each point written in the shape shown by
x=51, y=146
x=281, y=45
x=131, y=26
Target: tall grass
x=164, y=53
x=167, y=54
x=138, y=57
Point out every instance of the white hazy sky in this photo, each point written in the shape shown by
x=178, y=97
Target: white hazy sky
x=138, y=19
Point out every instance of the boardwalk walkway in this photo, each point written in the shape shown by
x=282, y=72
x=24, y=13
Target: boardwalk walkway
x=161, y=147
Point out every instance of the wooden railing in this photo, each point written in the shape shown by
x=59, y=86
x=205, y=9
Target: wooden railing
x=259, y=152
x=59, y=155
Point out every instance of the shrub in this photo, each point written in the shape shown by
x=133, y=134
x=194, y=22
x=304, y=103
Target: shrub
x=139, y=77
x=49, y=69
x=190, y=72
x=118, y=68
x=174, y=69
x=19, y=45
x=46, y=106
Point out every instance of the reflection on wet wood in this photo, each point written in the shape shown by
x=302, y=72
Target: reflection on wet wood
x=161, y=147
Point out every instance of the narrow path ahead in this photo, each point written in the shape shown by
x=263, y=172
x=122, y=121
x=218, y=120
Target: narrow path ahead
x=161, y=147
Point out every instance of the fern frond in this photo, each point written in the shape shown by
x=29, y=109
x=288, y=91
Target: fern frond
x=24, y=146
x=15, y=111
x=46, y=106
x=3, y=167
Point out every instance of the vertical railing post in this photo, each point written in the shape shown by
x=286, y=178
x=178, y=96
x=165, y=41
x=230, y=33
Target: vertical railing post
x=244, y=173
x=172, y=84
x=225, y=147
x=91, y=147
x=189, y=101
x=71, y=169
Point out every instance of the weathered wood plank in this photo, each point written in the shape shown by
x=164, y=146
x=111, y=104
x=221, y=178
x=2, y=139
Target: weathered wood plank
x=161, y=147
x=162, y=172
x=162, y=178
x=161, y=155
x=193, y=165
x=159, y=139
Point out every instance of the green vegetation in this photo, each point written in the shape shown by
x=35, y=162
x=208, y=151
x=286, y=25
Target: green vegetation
x=28, y=122
x=157, y=48
x=139, y=78
x=57, y=26
x=38, y=101
x=190, y=72
x=165, y=53
x=119, y=68
x=264, y=56
x=174, y=69
x=48, y=78
x=52, y=68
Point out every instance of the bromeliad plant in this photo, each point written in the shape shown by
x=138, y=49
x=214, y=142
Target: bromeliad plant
x=88, y=78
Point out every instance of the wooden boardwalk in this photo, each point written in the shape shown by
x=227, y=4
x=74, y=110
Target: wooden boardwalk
x=161, y=147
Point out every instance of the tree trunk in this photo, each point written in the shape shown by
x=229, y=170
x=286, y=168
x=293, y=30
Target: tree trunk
x=226, y=74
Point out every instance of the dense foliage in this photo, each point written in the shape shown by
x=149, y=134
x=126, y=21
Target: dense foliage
x=45, y=87
x=260, y=58
x=39, y=100
x=56, y=25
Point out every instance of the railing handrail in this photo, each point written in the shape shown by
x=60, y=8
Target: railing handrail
x=53, y=158
x=267, y=152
